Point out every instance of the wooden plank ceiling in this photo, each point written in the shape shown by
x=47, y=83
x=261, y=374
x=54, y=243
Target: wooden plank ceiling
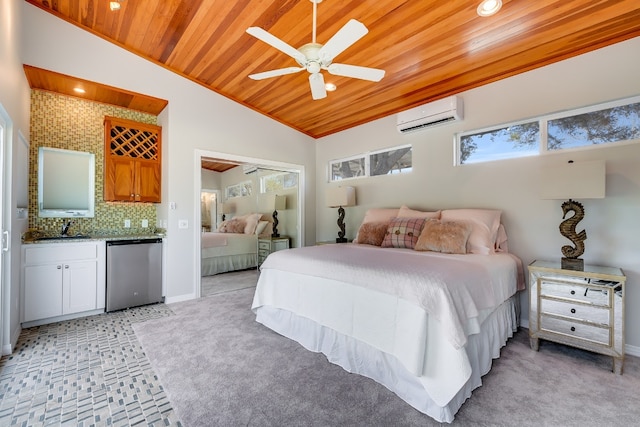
x=429, y=49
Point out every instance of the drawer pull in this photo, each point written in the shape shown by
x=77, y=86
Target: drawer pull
x=573, y=329
x=573, y=310
x=573, y=292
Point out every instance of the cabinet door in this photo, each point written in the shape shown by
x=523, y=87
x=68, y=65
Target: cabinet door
x=147, y=185
x=42, y=291
x=79, y=286
x=119, y=179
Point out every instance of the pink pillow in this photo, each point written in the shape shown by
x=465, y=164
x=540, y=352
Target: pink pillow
x=485, y=224
x=380, y=214
x=403, y=233
x=251, y=222
x=405, y=212
x=446, y=237
x=235, y=225
x=372, y=233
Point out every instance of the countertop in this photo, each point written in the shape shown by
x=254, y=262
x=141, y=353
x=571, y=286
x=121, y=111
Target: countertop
x=40, y=237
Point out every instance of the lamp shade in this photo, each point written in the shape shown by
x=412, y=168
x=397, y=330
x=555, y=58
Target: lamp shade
x=278, y=203
x=584, y=180
x=341, y=197
x=227, y=208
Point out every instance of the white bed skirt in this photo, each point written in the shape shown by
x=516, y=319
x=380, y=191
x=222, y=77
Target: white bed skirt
x=358, y=357
x=223, y=264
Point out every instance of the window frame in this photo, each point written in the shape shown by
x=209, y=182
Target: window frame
x=543, y=148
x=367, y=163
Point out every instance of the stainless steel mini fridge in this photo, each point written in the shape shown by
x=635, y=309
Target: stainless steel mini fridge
x=134, y=273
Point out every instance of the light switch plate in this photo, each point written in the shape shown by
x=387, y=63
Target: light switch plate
x=183, y=223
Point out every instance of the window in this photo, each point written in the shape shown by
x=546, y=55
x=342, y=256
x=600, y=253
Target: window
x=384, y=162
x=278, y=181
x=615, y=124
x=238, y=190
x=598, y=125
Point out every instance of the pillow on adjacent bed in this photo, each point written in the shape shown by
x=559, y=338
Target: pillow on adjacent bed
x=235, y=225
x=372, y=233
x=446, y=237
x=485, y=224
x=403, y=233
x=261, y=227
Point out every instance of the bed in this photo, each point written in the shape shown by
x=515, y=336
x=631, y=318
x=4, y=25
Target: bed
x=425, y=324
x=233, y=246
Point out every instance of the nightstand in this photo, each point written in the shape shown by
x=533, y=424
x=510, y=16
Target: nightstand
x=267, y=245
x=583, y=309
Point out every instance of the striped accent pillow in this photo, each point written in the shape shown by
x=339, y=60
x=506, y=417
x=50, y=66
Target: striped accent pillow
x=403, y=233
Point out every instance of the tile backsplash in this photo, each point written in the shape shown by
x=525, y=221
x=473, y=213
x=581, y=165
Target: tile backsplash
x=75, y=124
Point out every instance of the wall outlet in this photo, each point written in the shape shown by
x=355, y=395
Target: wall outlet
x=183, y=223
x=127, y=223
x=145, y=223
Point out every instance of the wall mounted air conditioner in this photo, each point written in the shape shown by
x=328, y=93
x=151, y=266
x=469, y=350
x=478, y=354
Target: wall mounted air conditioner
x=438, y=112
x=247, y=169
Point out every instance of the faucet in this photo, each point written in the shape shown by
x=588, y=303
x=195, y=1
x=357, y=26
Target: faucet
x=65, y=228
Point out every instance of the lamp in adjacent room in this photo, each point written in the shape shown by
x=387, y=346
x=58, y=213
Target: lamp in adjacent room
x=279, y=203
x=585, y=180
x=227, y=208
x=341, y=197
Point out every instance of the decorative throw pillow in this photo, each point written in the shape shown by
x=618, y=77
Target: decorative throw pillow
x=261, y=227
x=403, y=233
x=236, y=225
x=446, y=237
x=485, y=224
x=372, y=233
x=378, y=215
x=406, y=212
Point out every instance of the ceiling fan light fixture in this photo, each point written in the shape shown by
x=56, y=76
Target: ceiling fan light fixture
x=114, y=5
x=330, y=87
x=489, y=7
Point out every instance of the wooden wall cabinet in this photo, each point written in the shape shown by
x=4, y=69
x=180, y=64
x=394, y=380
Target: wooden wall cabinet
x=132, y=166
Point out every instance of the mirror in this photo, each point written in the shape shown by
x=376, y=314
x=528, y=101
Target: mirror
x=66, y=183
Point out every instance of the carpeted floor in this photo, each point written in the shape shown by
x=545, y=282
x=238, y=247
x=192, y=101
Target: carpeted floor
x=225, y=282
x=221, y=368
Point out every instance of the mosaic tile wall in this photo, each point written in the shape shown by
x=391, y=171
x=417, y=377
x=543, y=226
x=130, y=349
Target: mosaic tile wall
x=74, y=124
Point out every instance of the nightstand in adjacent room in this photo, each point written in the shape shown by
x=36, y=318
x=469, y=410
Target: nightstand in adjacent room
x=583, y=309
x=267, y=245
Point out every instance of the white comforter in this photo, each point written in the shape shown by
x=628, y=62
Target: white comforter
x=416, y=306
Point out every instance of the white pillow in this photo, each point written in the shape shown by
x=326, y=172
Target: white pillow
x=252, y=221
x=261, y=226
x=485, y=224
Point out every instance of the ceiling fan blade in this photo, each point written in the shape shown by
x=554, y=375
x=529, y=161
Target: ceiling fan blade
x=275, y=73
x=350, y=33
x=316, y=81
x=272, y=40
x=357, y=72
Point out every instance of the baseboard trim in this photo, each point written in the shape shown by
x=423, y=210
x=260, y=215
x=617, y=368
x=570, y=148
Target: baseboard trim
x=179, y=298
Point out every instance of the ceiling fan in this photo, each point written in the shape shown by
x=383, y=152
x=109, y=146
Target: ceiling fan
x=315, y=57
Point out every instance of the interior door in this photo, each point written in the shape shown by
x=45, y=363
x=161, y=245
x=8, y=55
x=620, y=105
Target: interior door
x=4, y=254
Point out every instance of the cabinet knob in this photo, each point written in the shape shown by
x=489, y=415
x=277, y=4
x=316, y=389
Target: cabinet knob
x=573, y=292
x=573, y=329
x=66, y=266
x=132, y=195
x=59, y=267
x=573, y=310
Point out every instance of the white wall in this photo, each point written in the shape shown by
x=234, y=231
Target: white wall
x=511, y=185
x=14, y=97
x=195, y=119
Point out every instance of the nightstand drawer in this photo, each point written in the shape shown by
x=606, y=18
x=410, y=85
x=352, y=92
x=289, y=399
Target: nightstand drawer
x=592, y=314
x=264, y=245
x=576, y=330
x=575, y=292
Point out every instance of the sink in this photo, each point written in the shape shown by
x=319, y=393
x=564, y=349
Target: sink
x=76, y=237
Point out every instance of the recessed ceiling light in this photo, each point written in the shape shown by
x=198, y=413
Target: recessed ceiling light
x=78, y=90
x=489, y=7
x=114, y=5
x=330, y=87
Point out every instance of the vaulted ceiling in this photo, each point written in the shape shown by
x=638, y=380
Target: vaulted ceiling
x=429, y=49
